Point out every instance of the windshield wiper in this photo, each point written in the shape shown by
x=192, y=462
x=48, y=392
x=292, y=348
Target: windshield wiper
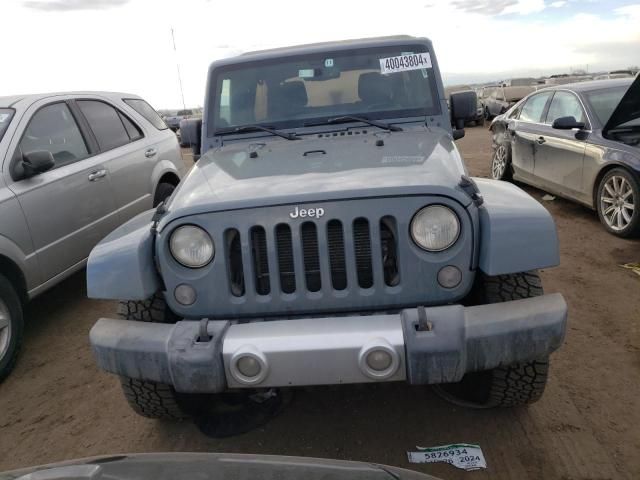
x=256, y=128
x=355, y=118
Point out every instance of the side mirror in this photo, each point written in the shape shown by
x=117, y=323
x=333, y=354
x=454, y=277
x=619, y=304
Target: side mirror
x=191, y=132
x=462, y=106
x=567, y=123
x=37, y=162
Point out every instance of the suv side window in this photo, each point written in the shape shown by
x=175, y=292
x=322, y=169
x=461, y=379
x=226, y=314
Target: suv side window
x=565, y=104
x=132, y=129
x=146, y=111
x=105, y=123
x=54, y=129
x=533, y=109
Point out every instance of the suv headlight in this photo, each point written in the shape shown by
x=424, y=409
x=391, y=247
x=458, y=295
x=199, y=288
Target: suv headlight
x=435, y=228
x=191, y=246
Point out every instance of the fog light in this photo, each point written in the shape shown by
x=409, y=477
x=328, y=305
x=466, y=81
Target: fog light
x=449, y=276
x=379, y=360
x=248, y=366
x=185, y=294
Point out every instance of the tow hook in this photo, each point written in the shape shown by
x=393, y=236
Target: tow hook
x=203, y=334
x=424, y=325
x=468, y=185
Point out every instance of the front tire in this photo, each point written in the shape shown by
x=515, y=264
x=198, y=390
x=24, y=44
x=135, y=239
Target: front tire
x=11, y=326
x=510, y=385
x=618, y=203
x=151, y=399
x=163, y=191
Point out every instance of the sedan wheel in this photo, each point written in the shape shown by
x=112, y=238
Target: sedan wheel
x=500, y=163
x=618, y=203
x=11, y=326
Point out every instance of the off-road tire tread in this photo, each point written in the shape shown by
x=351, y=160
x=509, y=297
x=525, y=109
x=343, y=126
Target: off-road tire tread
x=152, y=400
x=153, y=309
x=519, y=383
x=146, y=398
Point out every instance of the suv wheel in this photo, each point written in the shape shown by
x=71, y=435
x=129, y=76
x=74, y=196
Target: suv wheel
x=618, y=203
x=510, y=385
x=501, y=163
x=11, y=326
x=487, y=114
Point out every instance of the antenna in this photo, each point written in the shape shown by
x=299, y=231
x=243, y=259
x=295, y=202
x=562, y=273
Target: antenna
x=173, y=38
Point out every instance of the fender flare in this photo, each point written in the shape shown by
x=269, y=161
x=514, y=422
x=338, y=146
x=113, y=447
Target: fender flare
x=121, y=266
x=517, y=233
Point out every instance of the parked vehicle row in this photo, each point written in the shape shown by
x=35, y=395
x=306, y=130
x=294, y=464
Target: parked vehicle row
x=73, y=167
x=580, y=141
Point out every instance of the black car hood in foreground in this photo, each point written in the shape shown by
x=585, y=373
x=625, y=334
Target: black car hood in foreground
x=275, y=171
x=211, y=466
x=628, y=109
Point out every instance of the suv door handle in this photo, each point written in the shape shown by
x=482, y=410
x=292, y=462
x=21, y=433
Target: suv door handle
x=98, y=174
x=540, y=140
x=150, y=152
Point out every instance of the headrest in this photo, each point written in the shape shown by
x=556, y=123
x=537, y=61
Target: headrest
x=374, y=88
x=294, y=93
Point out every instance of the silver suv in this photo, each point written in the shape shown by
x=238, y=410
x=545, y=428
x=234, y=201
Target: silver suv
x=73, y=167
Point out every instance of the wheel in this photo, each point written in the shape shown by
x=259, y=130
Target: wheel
x=146, y=398
x=510, y=385
x=618, y=203
x=11, y=326
x=163, y=191
x=501, y=163
x=487, y=114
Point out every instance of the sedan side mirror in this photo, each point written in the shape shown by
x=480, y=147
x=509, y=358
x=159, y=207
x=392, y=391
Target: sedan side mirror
x=567, y=123
x=37, y=162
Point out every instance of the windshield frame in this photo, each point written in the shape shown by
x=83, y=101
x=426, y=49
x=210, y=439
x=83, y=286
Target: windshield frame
x=5, y=125
x=215, y=85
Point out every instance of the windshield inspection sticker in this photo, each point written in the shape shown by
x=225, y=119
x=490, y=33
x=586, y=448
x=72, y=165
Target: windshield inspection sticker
x=466, y=456
x=403, y=63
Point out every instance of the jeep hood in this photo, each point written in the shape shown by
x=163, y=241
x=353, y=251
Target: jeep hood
x=274, y=171
x=627, y=110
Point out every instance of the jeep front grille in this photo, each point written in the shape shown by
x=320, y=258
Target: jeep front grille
x=299, y=253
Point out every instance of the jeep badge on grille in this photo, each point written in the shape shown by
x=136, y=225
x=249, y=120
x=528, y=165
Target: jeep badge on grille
x=307, y=212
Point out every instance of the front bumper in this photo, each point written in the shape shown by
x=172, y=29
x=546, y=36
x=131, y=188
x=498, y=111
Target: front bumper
x=202, y=356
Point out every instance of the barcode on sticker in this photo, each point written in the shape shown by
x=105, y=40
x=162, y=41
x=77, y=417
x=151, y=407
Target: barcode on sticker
x=403, y=63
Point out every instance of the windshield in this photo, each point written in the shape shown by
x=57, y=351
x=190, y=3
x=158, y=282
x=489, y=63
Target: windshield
x=6, y=114
x=386, y=82
x=604, y=102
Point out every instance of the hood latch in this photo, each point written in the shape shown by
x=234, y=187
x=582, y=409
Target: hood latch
x=469, y=186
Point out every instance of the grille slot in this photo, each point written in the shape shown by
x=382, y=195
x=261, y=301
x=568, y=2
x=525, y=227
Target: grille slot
x=362, y=247
x=284, y=247
x=389, y=250
x=311, y=256
x=337, y=264
x=235, y=271
x=260, y=260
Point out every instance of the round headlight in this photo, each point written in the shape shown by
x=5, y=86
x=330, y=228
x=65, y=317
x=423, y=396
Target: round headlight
x=191, y=246
x=435, y=228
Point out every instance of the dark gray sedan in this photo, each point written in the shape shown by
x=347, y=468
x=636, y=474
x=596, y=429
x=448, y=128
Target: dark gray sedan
x=578, y=141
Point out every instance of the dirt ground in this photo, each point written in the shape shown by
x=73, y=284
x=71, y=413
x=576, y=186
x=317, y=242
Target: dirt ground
x=57, y=405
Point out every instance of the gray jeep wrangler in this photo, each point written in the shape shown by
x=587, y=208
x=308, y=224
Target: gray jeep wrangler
x=330, y=234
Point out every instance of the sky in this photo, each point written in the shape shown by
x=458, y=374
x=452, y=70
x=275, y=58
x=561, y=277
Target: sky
x=126, y=45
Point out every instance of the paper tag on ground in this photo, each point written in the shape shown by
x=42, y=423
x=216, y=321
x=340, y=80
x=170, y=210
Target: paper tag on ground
x=403, y=63
x=462, y=455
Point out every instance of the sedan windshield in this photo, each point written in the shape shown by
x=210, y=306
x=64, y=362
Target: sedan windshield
x=387, y=82
x=6, y=114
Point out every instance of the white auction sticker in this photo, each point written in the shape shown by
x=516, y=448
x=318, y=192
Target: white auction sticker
x=462, y=455
x=403, y=63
